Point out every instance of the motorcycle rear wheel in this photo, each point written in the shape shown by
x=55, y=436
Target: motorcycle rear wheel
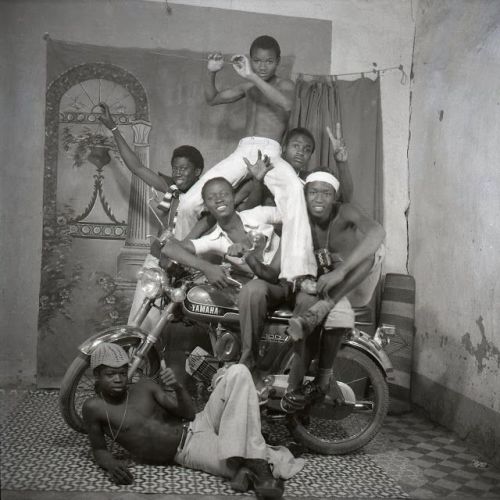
x=331, y=430
x=78, y=384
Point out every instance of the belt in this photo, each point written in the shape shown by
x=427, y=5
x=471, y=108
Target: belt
x=184, y=435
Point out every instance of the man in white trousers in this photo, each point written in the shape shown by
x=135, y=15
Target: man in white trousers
x=269, y=102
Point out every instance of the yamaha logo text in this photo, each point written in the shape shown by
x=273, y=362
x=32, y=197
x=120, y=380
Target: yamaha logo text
x=204, y=309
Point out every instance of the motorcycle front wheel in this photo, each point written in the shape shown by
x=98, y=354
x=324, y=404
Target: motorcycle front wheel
x=335, y=430
x=78, y=383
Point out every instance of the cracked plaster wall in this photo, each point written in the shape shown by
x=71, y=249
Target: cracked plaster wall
x=454, y=232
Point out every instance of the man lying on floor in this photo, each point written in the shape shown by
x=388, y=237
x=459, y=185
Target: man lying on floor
x=160, y=426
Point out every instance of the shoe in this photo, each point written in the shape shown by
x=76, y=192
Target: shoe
x=241, y=480
x=293, y=401
x=298, y=399
x=261, y=478
x=313, y=393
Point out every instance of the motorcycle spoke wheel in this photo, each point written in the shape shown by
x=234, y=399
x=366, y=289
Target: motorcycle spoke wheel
x=328, y=428
x=78, y=385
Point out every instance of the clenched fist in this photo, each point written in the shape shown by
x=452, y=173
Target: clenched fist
x=215, y=62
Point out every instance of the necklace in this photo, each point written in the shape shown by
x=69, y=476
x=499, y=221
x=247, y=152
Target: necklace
x=113, y=435
x=327, y=239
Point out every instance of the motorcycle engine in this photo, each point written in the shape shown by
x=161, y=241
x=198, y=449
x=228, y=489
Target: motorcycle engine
x=271, y=345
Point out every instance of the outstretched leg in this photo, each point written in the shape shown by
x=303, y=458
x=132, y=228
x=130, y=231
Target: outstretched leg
x=229, y=426
x=296, y=240
x=226, y=436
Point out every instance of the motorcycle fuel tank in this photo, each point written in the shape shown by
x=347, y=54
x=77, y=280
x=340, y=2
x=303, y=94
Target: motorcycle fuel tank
x=207, y=302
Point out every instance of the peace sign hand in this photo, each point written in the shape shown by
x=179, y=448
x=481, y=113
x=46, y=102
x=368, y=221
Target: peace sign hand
x=338, y=143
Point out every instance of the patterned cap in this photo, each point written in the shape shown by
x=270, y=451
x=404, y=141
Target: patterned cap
x=110, y=355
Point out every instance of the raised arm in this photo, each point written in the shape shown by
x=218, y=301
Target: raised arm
x=281, y=95
x=251, y=193
x=117, y=469
x=175, y=399
x=213, y=96
x=130, y=159
x=340, y=155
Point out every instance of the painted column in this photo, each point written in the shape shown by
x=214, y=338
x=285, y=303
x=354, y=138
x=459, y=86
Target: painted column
x=136, y=246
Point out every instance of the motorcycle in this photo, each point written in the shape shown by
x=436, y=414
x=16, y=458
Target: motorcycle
x=362, y=369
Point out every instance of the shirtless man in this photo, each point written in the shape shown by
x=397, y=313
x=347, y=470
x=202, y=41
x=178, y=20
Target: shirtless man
x=353, y=243
x=269, y=101
x=259, y=296
x=160, y=426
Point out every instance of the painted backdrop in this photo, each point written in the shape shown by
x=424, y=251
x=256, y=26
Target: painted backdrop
x=96, y=216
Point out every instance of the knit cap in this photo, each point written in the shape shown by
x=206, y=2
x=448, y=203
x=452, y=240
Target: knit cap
x=110, y=355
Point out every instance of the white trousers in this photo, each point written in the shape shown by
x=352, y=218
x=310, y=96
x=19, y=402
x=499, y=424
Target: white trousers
x=229, y=426
x=297, y=257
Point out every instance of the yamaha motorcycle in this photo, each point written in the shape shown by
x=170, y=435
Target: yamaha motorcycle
x=362, y=369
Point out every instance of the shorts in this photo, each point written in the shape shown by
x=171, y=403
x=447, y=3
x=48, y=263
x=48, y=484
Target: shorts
x=342, y=315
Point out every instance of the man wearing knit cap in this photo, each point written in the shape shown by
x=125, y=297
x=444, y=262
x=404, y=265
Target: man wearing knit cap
x=160, y=426
x=349, y=252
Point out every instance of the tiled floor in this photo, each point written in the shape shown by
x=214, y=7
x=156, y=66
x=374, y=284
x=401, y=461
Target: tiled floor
x=429, y=461
x=424, y=459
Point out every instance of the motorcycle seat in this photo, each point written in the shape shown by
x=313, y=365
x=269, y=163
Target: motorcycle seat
x=363, y=315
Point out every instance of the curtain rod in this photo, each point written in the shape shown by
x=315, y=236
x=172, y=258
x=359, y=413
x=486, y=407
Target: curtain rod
x=404, y=77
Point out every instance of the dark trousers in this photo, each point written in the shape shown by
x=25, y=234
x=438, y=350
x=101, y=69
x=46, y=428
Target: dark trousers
x=257, y=297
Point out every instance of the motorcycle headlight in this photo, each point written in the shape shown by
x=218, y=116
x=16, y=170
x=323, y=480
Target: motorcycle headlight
x=152, y=281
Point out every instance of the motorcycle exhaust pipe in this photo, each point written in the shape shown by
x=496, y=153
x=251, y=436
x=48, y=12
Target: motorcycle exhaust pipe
x=363, y=406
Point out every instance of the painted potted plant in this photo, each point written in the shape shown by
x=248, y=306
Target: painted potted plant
x=91, y=146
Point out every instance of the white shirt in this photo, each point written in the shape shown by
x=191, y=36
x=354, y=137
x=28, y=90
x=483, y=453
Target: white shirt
x=258, y=219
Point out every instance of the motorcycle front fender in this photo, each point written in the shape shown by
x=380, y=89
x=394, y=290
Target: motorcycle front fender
x=114, y=334
x=363, y=342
